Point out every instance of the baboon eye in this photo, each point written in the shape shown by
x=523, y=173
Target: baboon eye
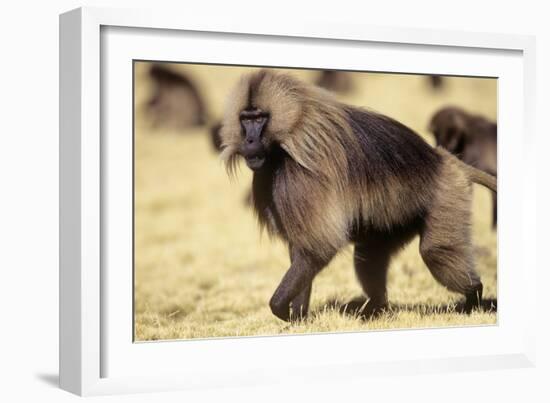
x=259, y=119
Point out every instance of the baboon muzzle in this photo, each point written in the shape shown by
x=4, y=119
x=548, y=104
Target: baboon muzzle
x=253, y=149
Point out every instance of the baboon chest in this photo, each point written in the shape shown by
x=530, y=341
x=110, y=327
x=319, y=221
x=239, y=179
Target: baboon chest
x=265, y=205
x=285, y=205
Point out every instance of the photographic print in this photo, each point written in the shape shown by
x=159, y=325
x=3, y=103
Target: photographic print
x=272, y=201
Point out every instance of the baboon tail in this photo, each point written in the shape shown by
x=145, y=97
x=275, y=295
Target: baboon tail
x=480, y=177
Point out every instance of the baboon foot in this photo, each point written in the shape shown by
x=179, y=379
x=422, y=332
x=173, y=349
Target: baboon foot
x=374, y=309
x=473, y=299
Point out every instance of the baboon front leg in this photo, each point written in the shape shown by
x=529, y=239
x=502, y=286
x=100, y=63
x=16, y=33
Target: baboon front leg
x=295, y=287
x=300, y=304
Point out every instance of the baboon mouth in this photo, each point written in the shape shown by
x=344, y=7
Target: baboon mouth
x=255, y=162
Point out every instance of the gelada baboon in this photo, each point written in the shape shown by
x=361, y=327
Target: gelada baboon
x=471, y=138
x=326, y=174
x=176, y=102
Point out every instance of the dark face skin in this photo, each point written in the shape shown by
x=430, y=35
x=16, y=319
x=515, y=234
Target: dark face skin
x=253, y=147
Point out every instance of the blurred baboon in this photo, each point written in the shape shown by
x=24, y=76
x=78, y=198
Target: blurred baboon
x=176, y=102
x=472, y=138
x=436, y=82
x=336, y=81
x=328, y=173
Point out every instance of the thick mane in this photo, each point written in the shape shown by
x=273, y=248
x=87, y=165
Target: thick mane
x=323, y=134
x=305, y=121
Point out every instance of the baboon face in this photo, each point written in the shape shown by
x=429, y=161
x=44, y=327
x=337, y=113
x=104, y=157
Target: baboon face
x=272, y=116
x=259, y=118
x=255, y=144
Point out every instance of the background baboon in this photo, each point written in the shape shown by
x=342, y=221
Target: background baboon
x=175, y=102
x=336, y=81
x=436, y=81
x=327, y=173
x=472, y=138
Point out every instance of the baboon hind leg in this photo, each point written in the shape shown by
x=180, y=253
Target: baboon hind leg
x=372, y=257
x=446, y=248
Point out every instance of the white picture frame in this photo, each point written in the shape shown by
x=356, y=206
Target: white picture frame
x=96, y=354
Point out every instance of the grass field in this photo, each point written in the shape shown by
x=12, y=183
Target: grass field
x=203, y=270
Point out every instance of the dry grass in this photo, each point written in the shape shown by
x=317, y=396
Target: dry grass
x=201, y=267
